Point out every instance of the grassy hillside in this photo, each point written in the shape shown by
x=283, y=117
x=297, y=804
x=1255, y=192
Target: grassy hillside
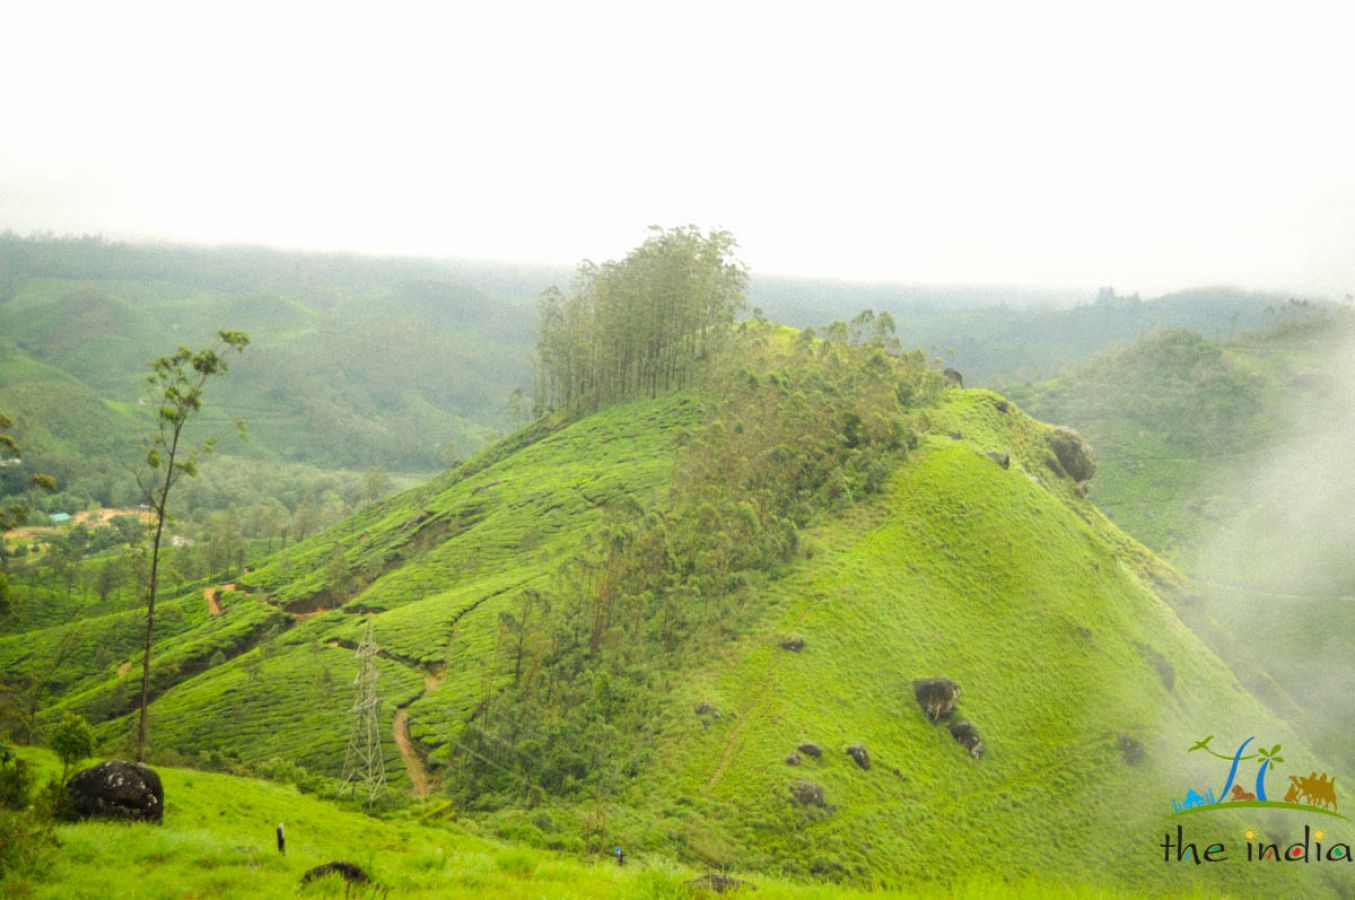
x=1049, y=618
x=1167, y=417
x=1232, y=459
x=217, y=840
x=1059, y=628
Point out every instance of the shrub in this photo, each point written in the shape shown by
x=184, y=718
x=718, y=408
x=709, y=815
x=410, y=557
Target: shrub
x=24, y=842
x=73, y=741
x=16, y=780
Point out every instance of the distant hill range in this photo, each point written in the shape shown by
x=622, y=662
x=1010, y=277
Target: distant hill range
x=997, y=336
x=355, y=363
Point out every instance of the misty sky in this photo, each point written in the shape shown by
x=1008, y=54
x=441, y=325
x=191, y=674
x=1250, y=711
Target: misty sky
x=1145, y=145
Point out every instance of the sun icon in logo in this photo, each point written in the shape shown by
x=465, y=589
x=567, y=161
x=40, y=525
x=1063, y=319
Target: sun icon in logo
x=1251, y=835
x=1317, y=835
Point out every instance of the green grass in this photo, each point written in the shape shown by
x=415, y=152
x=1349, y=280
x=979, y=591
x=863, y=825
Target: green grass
x=218, y=840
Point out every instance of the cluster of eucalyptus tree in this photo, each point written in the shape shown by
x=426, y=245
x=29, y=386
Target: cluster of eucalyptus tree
x=641, y=326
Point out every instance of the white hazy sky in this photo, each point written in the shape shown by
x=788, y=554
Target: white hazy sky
x=1146, y=145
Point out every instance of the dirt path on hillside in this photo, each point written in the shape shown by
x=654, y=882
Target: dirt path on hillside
x=744, y=714
x=413, y=763
x=212, y=597
x=728, y=753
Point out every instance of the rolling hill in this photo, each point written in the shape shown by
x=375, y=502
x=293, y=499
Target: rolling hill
x=945, y=539
x=353, y=363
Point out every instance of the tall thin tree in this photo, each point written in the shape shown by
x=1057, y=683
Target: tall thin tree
x=176, y=383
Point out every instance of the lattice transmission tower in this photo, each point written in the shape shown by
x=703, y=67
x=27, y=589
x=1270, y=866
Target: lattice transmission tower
x=364, y=765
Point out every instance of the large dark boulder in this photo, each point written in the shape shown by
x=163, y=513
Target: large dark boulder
x=936, y=696
x=809, y=748
x=116, y=790
x=794, y=644
x=967, y=736
x=1074, y=453
x=345, y=870
x=859, y=753
x=953, y=377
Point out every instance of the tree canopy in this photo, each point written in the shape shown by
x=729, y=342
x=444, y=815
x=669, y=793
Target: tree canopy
x=642, y=326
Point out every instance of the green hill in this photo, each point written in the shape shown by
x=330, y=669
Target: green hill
x=354, y=363
x=1233, y=459
x=796, y=498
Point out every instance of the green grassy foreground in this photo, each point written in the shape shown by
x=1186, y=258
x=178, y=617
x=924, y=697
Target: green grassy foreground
x=217, y=841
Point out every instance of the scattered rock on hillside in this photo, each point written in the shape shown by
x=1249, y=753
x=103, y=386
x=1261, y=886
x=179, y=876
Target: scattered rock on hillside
x=117, y=790
x=346, y=870
x=1001, y=406
x=415, y=521
x=936, y=696
x=811, y=749
x=956, y=436
x=953, y=377
x=705, y=709
x=1131, y=748
x=1002, y=459
x=859, y=753
x=968, y=737
x=719, y=884
x=1074, y=453
x=795, y=644
x=807, y=793
x=1166, y=672
x=793, y=759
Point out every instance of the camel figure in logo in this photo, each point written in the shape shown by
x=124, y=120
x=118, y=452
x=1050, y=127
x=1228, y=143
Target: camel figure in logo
x=1314, y=791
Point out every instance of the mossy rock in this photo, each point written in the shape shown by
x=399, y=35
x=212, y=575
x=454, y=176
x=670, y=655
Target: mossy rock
x=1074, y=454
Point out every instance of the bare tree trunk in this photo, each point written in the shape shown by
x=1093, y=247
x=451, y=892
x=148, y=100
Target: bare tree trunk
x=150, y=598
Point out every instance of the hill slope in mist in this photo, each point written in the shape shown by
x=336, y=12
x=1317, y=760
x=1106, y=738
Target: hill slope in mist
x=1234, y=460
